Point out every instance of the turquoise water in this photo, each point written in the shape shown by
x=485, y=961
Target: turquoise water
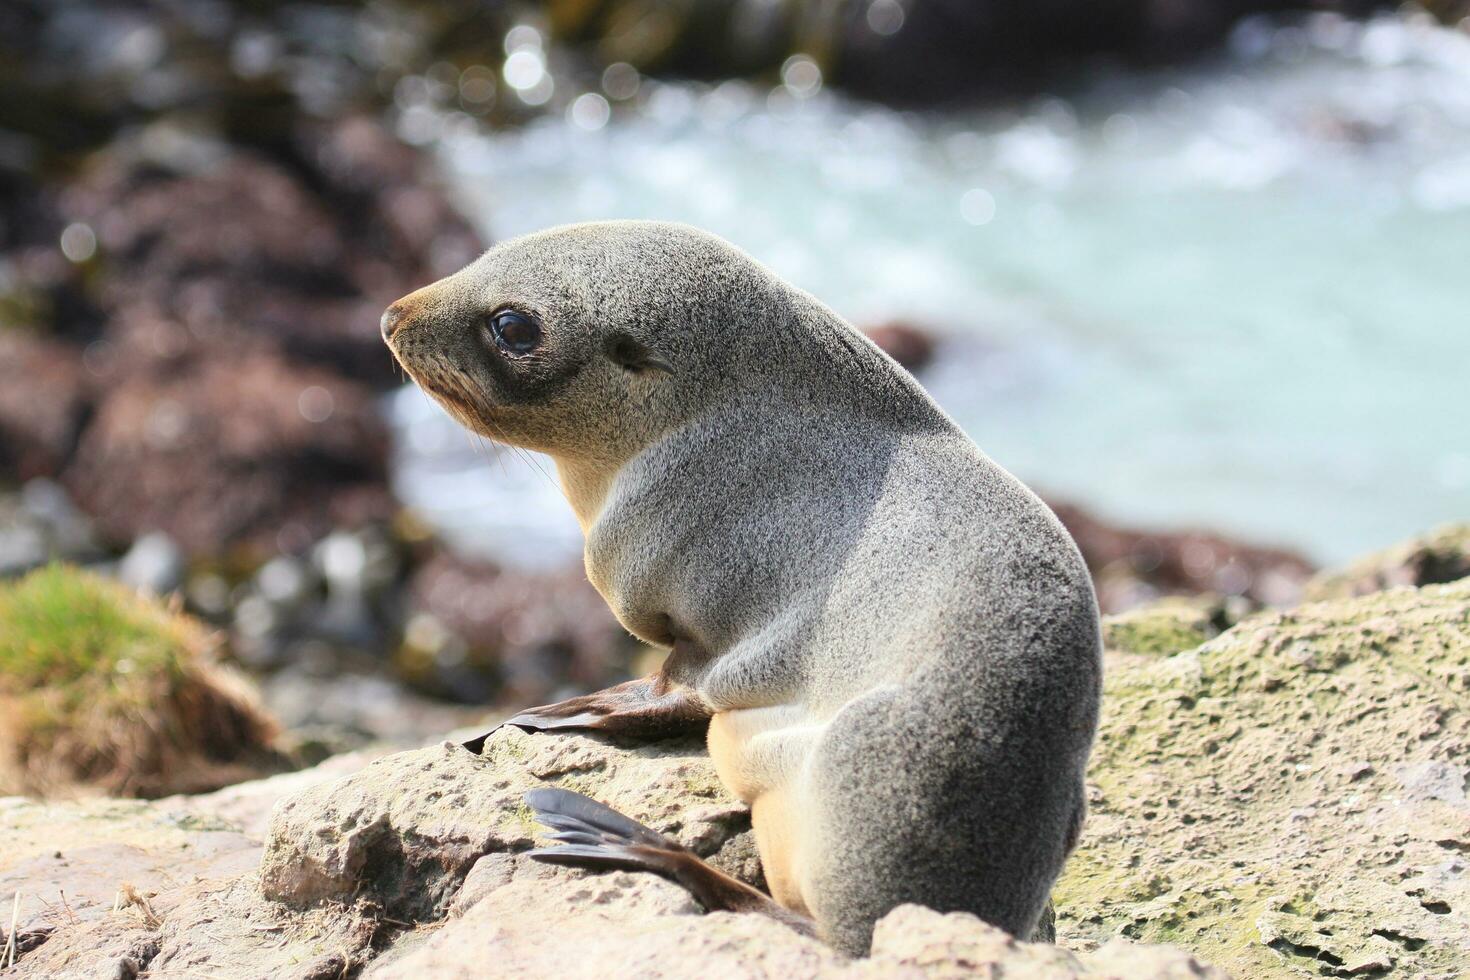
x=1235, y=297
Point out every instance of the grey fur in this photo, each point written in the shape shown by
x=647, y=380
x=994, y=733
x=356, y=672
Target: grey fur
x=786, y=503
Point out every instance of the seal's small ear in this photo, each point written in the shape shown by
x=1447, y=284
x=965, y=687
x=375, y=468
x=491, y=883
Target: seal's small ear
x=631, y=355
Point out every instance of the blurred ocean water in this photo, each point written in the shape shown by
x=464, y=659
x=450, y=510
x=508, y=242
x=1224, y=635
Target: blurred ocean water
x=1235, y=296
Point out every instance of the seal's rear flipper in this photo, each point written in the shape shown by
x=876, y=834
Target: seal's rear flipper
x=596, y=836
x=646, y=708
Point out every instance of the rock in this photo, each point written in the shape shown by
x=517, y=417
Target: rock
x=215, y=927
x=222, y=224
x=191, y=863
x=925, y=51
x=70, y=861
x=39, y=525
x=913, y=52
x=246, y=807
x=1224, y=819
x=1132, y=567
x=227, y=453
x=909, y=345
x=345, y=710
x=308, y=264
x=170, y=887
x=153, y=564
x=476, y=632
x=1443, y=555
x=43, y=401
x=637, y=925
x=915, y=938
x=1286, y=799
x=408, y=828
x=1167, y=625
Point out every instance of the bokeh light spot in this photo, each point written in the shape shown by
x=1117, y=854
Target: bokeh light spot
x=589, y=112
x=522, y=37
x=78, y=242
x=477, y=85
x=885, y=17
x=977, y=206
x=620, y=80
x=801, y=76
x=524, y=70
x=315, y=403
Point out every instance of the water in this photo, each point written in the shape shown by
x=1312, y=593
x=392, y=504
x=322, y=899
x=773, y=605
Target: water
x=1235, y=296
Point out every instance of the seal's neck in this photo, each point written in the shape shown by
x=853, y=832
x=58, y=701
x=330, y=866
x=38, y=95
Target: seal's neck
x=585, y=483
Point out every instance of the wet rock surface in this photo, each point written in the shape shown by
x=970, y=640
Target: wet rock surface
x=918, y=52
x=233, y=324
x=910, y=345
x=38, y=434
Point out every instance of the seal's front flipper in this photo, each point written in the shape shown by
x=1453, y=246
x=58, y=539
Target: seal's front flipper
x=646, y=708
x=597, y=836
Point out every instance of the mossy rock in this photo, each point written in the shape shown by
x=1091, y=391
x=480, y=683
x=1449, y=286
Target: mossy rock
x=1166, y=626
x=1289, y=799
x=1442, y=555
x=103, y=690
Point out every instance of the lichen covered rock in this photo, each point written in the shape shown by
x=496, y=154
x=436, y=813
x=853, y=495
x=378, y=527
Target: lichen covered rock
x=1289, y=799
x=1442, y=555
x=1166, y=626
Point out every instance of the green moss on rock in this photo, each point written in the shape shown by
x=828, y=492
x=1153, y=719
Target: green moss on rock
x=1165, y=627
x=105, y=690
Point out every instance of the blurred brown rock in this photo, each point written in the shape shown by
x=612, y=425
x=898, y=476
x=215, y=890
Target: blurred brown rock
x=43, y=402
x=909, y=345
x=526, y=633
x=383, y=189
x=206, y=366
x=1131, y=567
x=254, y=252
x=228, y=451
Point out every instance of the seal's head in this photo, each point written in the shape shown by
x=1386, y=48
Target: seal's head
x=586, y=341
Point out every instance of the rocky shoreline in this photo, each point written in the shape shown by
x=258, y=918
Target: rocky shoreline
x=1285, y=798
x=198, y=228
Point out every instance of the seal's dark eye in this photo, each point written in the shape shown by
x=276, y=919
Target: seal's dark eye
x=515, y=333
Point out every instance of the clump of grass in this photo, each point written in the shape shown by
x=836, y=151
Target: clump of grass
x=105, y=690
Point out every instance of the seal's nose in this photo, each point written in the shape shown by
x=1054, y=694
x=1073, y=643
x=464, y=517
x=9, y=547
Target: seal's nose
x=392, y=319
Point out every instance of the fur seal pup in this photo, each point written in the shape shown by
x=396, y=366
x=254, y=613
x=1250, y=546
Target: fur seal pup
x=893, y=643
